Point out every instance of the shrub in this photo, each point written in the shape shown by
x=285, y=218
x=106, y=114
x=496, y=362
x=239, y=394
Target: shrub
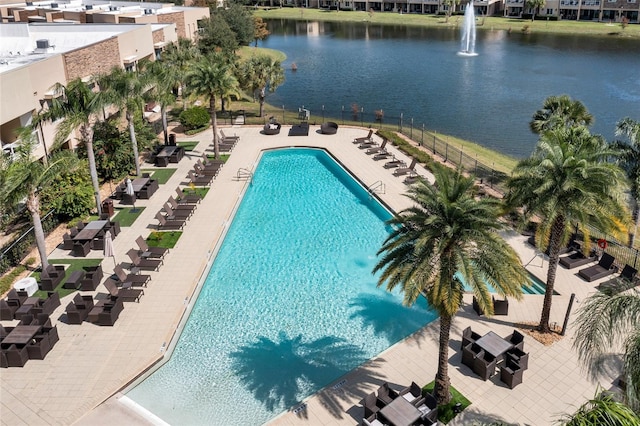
x=194, y=118
x=69, y=194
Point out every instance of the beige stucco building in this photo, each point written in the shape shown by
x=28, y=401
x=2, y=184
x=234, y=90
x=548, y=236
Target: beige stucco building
x=41, y=46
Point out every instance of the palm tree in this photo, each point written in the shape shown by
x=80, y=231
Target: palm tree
x=449, y=235
x=560, y=111
x=179, y=57
x=162, y=76
x=607, y=322
x=23, y=178
x=600, y=411
x=210, y=78
x=77, y=106
x=630, y=163
x=126, y=90
x=568, y=181
x=535, y=6
x=260, y=73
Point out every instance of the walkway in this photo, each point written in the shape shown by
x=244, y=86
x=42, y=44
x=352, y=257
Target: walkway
x=90, y=364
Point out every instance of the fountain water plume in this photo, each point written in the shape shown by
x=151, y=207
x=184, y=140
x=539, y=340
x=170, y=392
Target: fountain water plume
x=468, y=47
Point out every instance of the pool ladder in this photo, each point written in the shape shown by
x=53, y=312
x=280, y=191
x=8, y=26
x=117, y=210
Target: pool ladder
x=377, y=187
x=244, y=174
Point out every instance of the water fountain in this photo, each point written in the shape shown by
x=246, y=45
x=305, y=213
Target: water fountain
x=468, y=47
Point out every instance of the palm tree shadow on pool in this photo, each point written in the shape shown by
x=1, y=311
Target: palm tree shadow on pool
x=281, y=373
x=397, y=322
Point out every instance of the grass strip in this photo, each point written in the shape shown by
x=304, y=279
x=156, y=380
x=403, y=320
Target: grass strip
x=74, y=265
x=200, y=191
x=188, y=145
x=165, y=239
x=447, y=412
x=128, y=215
x=162, y=176
x=223, y=157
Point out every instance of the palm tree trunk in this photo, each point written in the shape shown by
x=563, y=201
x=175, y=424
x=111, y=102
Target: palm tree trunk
x=214, y=126
x=87, y=135
x=636, y=221
x=442, y=382
x=261, y=97
x=554, y=255
x=165, y=126
x=134, y=142
x=33, y=205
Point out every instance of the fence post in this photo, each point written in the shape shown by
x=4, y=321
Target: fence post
x=434, y=144
x=411, y=131
x=322, y=114
x=460, y=156
x=283, y=114
x=343, y=115
x=361, y=116
x=422, y=136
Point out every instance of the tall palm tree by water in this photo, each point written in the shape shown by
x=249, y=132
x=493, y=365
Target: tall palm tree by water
x=568, y=181
x=449, y=235
x=261, y=73
x=24, y=177
x=560, y=111
x=610, y=323
x=211, y=78
x=630, y=162
x=77, y=106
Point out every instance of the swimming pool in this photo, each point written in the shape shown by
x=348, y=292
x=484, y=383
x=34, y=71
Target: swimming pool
x=289, y=304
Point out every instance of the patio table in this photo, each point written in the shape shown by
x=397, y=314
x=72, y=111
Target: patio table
x=21, y=335
x=400, y=412
x=494, y=344
x=90, y=230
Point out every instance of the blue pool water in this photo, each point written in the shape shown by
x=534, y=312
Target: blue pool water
x=289, y=304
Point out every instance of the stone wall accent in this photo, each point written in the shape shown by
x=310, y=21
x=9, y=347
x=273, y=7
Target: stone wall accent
x=174, y=17
x=158, y=36
x=94, y=59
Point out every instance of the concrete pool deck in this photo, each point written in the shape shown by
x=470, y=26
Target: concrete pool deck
x=79, y=381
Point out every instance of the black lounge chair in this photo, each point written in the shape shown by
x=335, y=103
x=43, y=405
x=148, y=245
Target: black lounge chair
x=625, y=281
x=176, y=214
x=404, y=170
x=187, y=198
x=199, y=179
x=175, y=205
x=329, y=128
x=301, y=129
x=394, y=163
x=377, y=149
x=124, y=294
x=144, y=264
x=363, y=138
x=130, y=280
x=163, y=223
x=604, y=268
x=576, y=259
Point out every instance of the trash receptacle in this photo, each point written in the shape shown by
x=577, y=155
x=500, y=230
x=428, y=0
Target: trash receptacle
x=107, y=207
x=172, y=139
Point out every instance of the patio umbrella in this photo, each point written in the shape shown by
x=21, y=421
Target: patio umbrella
x=130, y=192
x=108, y=247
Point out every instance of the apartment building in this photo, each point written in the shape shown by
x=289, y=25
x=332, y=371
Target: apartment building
x=41, y=45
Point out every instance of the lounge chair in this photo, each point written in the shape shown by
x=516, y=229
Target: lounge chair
x=377, y=149
x=151, y=252
x=175, y=205
x=404, y=170
x=124, y=294
x=226, y=138
x=575, y=259
x=394, y=163
x=382, y=155
x=201, y=170
x=176, y=214
x=130, y=280
x=200, y=179
x=144, y=264
x=604, y=268
x=626, y=280
x=364, y=138
x=412, y=178
x=169, y=224
x=187, y=198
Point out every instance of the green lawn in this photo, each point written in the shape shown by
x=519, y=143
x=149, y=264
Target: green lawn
x=166, y=239
x=162, y=176
x=188, y=145
x=196, y=190
x=74, y=265
x=446, y=412
x=128, y=215
x=223, y=157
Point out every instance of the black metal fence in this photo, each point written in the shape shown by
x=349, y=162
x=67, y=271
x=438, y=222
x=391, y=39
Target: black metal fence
x=13, y=252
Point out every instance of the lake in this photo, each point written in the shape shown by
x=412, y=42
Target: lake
x=416, y=72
